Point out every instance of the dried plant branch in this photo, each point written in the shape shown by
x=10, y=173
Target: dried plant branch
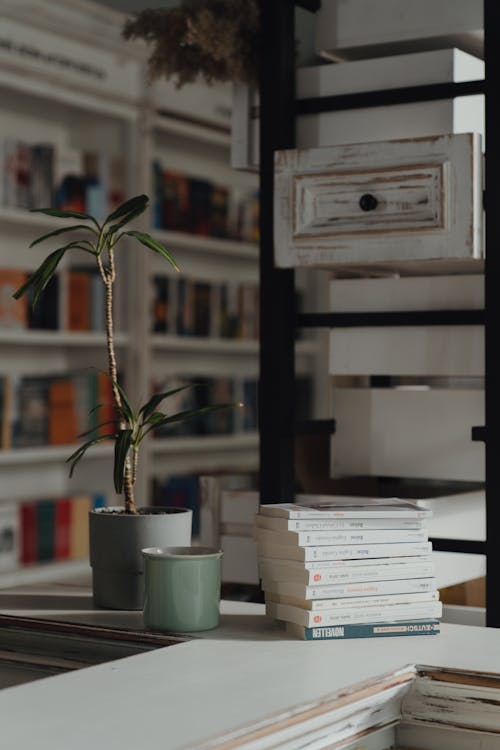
x=217, y=40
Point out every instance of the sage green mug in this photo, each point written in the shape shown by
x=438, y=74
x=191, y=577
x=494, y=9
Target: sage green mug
x=182, y=588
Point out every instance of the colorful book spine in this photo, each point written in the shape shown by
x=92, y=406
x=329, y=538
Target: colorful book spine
x=365, y=630
x=62, y=529
x=45, y=519
x=29, y=533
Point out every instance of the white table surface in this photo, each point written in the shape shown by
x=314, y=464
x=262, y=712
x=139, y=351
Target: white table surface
x=180, y=696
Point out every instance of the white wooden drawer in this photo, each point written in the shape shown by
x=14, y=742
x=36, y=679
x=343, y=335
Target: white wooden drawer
x=464, y=114
x=419, y=351
x=391, y=25
x=393, y=203
x=418, y=433
x=459, y=292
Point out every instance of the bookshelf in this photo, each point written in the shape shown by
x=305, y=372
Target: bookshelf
x=352, y=107
x=83, y=90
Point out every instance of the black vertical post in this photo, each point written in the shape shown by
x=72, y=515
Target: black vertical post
x=492, y=279
x=277, y=355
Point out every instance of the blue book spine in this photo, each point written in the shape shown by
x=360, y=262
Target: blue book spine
x=366, y=630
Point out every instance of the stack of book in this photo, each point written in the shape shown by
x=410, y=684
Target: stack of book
x=348, y=567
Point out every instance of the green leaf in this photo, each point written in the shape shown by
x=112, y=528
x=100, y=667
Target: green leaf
x=122, y=447
x=149, y=407
x=152, y=244
x=62, y=230
x=126, y=408
x=64, y=214
x=41, y=277
x=182, y=416
x=138, y=202
x=132, y=215
x=80, y=452
x=97, y=427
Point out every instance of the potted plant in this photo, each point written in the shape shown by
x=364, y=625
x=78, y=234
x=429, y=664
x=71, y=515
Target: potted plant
x=118, y=533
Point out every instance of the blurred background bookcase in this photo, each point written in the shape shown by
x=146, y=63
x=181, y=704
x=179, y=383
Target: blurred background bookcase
x=71, y=84
x=466, y=508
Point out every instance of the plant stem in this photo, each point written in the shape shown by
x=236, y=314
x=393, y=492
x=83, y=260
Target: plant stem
x=108, y=276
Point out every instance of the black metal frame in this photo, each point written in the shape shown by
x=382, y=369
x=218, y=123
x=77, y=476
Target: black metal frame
x=278, y=108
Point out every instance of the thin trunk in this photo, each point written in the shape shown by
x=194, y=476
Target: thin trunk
x=109, y=277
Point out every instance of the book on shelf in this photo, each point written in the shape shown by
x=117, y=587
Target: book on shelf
x=174, y=197
x=343, y=536
x=45, y=315
x=63, y=422
x=16, y=172
x=343, y=551
x=13, y=313
x=202, y=308
x=323, y=572
x=28, y=524
x=365, y=630
x=79, y=301
x=345, y=506
x=160, y=304
x=429, y=610
x=345, y=591
x=5, y=412
x=30, y=406
x=79, y=523
x=353, y=602
x=45, y=525
x=218, y=211
x=42, y=175
x=62, y=528
x=9, y=536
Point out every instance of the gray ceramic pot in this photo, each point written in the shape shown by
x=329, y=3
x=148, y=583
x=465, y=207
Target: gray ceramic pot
x=116, y=541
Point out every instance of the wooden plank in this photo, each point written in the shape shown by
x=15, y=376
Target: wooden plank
x=407, y=433
x=408, y=350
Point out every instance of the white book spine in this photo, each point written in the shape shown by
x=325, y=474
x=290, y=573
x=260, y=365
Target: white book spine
x=332, y=524
x=330, y=575
x=392, y=612
x=362, y=602
x=326, y=506
x=353, y=590
x=343, y=551
x=349, y=536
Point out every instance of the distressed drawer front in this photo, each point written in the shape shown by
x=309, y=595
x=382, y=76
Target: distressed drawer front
x=394, y=203
x=407, y=199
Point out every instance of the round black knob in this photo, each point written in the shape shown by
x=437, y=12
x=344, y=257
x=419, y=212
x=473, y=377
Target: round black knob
x=368, y=202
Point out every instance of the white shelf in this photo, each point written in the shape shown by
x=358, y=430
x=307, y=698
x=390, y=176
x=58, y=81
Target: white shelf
x=167, y=124
x=43, y=572
x=71, y=339
x=201, y=344
x=27, y=219
x=50, y=454
x=206, y=443
x=230, y=345
x=202, y=244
